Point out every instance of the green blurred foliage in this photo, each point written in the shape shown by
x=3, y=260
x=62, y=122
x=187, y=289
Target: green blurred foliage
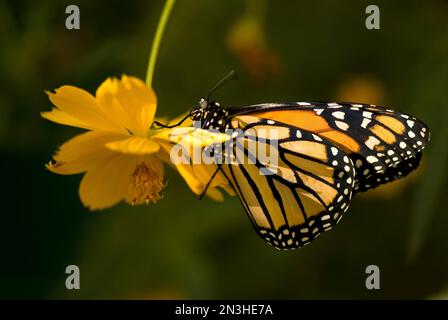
x=182, y=247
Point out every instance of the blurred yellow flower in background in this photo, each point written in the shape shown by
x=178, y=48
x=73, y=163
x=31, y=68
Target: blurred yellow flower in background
x=368, y=89
x=247, y=41
x=118, y=154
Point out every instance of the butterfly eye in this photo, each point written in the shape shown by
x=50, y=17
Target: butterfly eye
x=203, y=103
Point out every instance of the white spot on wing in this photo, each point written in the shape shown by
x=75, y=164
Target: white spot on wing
x=339, y=115
x=365, y=122
x=371, y=142
x=341, y=125
x=367, y=114
x=372, y=159
x=334, y=151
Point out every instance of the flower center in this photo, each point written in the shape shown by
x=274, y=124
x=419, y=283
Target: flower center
x=146, y=185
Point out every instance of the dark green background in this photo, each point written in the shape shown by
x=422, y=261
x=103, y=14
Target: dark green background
x=183, y=247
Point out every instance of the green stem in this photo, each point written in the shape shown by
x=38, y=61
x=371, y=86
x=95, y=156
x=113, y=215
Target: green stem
x=156, y=42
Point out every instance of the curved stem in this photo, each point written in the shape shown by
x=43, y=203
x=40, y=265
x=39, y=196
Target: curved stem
x=157, y=38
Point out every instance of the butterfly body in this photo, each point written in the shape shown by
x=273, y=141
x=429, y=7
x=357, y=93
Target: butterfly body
x=326, y=153
x=210, y=115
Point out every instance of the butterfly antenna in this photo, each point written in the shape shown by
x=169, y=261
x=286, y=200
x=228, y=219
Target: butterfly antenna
x=230, y=76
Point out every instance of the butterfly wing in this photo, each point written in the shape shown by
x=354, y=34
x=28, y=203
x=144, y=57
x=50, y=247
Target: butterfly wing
x=383, y=144
x=298, y=188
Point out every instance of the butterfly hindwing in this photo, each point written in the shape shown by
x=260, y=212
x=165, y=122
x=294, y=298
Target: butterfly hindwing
x=390, y=142
x=303, y=193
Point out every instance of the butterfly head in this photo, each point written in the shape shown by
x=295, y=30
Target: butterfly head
x=209, y=115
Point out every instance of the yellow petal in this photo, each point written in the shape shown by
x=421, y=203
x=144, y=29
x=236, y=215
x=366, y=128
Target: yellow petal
x=205, y=172
x=108, y=101
x=202, y=172
x=83, y=151
x=214, y=194
x=80, y=165
x=197, y=186
x=134, y=145
x=82, y=106
x=60, y=117
x=185, y=170
x=106, y=184
x=190, y=136
x=130, y=102
x=187, y=173
x=198, y=182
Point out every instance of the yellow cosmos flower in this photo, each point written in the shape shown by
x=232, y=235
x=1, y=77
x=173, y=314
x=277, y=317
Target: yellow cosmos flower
x=121, y=154
x=118, y=154
x=193, y=141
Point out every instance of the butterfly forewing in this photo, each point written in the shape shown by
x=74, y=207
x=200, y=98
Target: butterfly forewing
x=383, y=144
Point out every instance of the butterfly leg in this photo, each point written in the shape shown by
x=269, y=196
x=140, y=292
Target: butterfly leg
x=157, y=123
x=210, y=181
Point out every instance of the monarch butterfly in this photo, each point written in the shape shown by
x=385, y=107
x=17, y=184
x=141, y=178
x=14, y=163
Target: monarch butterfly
x=327, y=152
